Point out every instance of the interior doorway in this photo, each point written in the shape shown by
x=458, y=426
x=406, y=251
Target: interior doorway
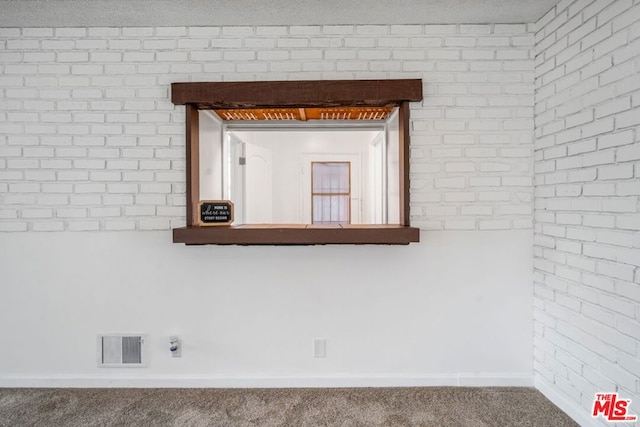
x=331, y=192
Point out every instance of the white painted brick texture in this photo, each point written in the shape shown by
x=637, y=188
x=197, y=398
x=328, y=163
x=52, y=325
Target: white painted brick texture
x=587, y=194
x=89, y=139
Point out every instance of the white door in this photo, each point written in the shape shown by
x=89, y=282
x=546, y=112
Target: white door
x=356, y=202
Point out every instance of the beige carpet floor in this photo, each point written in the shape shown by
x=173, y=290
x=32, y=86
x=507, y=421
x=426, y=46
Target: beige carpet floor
x=430, y=406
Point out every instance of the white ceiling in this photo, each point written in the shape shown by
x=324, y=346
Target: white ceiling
x=51, y=13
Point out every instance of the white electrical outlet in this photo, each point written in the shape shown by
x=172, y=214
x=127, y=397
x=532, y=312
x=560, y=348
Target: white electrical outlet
x=319, y=348
x=175, y=346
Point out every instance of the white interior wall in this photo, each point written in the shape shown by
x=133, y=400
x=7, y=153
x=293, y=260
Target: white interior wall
x=290, y=153
x=92, y=159
x=587, y=211
x=247, y=316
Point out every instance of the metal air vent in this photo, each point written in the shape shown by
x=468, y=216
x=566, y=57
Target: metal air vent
x=121, y=350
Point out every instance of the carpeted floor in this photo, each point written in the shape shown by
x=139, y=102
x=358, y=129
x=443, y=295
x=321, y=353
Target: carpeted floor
x=432, y=406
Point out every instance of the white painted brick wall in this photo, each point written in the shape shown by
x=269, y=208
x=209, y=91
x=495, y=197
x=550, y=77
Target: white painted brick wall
x=86, y=112
x=587, y=194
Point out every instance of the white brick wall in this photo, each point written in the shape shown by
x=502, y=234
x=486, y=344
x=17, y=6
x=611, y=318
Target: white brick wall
x=90, y=141
x=587, y=191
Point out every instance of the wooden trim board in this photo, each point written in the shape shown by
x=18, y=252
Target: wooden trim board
x=304, y=93
x=297, y=234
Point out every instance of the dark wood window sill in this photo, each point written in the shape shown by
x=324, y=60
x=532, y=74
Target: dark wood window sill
x=297, y=234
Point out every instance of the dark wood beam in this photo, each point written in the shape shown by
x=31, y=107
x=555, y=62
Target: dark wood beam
x=297, y=235
x=296, y=93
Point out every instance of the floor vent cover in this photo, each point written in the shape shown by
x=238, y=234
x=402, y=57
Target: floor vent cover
x=121, y=350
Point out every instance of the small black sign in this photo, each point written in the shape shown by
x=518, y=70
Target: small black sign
x=215, y=212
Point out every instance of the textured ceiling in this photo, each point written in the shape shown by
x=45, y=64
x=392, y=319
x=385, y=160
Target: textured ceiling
x=39, y=13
